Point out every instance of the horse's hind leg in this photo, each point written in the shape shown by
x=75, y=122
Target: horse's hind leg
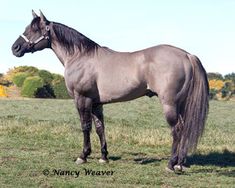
x=182, y=149
x=97, y=115
x=171, y=114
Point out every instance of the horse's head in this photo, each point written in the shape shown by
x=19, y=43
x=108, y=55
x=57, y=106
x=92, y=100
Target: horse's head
x=35, y=37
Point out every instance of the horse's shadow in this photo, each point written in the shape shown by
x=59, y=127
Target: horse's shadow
x=224, y=160
x=139, y=158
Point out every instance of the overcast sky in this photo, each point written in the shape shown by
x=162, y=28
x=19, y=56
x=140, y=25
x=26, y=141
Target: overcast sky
x=205, y=28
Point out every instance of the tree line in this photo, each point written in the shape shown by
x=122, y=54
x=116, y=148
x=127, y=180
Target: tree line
x=35, y=83
x=221, y=87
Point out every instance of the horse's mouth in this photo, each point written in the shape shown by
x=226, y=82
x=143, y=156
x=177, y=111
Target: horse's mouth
x=18, y=53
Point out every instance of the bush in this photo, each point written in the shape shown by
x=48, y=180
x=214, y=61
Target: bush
x=19, y=78
x=60, y=90
x=32, y=71
x=31, y=86
x=45, y=92
x=57, y=78
x=216, y=84
x=4, y=81
x=226, y=91
x=212, y=94
x=2, y=91
x=46, y=76
x=230, y=76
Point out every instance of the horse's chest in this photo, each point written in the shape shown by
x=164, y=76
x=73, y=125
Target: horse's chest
x=78, y=82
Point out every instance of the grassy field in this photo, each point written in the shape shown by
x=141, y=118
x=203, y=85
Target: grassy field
x=40, y=139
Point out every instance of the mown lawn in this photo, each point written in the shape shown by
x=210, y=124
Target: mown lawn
x=44, y=136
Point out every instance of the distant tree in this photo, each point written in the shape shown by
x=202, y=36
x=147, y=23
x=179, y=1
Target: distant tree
x=59, y=87
x=230, y=76
x=4, y=81
x=226, y=90
x=216, y=84
x=214, y=76
x=57, y=78
x=212, y=94
x=32, y=71
x=19, y=78
x=46, y=76
x=31, y=86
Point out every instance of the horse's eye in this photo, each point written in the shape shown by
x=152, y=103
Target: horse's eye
x=35, y=28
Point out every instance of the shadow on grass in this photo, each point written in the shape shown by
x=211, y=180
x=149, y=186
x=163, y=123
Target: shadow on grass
x=224, y=160
x=115, y=158
x=145, y=160
x=139, y=158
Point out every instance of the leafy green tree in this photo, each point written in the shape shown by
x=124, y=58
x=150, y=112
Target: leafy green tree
x=32, y=71
x=19, y=78
x=59, y=87
x=31, y=86
x=214, y=76
x=46, y=76
x=230, y=76
x=212, y=94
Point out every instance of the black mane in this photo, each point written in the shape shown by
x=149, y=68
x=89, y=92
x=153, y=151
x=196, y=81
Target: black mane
x=70, y=38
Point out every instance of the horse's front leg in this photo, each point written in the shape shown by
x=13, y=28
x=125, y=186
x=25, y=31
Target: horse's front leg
x=97, y=115
x=84, y=107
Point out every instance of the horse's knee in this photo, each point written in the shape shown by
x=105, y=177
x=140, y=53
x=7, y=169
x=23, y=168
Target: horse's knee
x=171, y=114
x=86, y=127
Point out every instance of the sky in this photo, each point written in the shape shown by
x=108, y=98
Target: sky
x=205, y=28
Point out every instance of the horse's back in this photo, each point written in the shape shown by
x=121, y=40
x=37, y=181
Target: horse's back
x=124, y=76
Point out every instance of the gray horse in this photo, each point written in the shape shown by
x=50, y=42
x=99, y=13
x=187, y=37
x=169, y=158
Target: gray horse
x=96, y=75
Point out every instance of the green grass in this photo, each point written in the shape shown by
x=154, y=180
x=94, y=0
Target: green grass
x=45, y=134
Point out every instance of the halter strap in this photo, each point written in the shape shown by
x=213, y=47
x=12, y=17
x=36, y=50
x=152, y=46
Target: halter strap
x=25, y=38
x=44, y=36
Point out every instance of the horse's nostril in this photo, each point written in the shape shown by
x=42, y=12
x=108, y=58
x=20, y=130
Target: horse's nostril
x=16, y=47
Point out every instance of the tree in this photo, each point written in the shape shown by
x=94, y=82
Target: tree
x=225, y=91
x=216, y=84
x=59, y=87
x=214, y=76
x=2, y=91
x=4, y=81
x=230, y=76
x=46, y=76
x=31, y=86
x=19, y=78
x=32, y=71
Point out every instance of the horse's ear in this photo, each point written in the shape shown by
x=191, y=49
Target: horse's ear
x=43, y=18
x=34, y=14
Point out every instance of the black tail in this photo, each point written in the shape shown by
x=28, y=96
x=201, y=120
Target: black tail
x=195, y=108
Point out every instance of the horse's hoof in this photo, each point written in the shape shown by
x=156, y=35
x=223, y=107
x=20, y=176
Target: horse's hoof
x=102, y=161
x=169, y=170
x=80, y=161
x=179, y=168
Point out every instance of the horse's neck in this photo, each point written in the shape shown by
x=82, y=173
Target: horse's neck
x=62, y=55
